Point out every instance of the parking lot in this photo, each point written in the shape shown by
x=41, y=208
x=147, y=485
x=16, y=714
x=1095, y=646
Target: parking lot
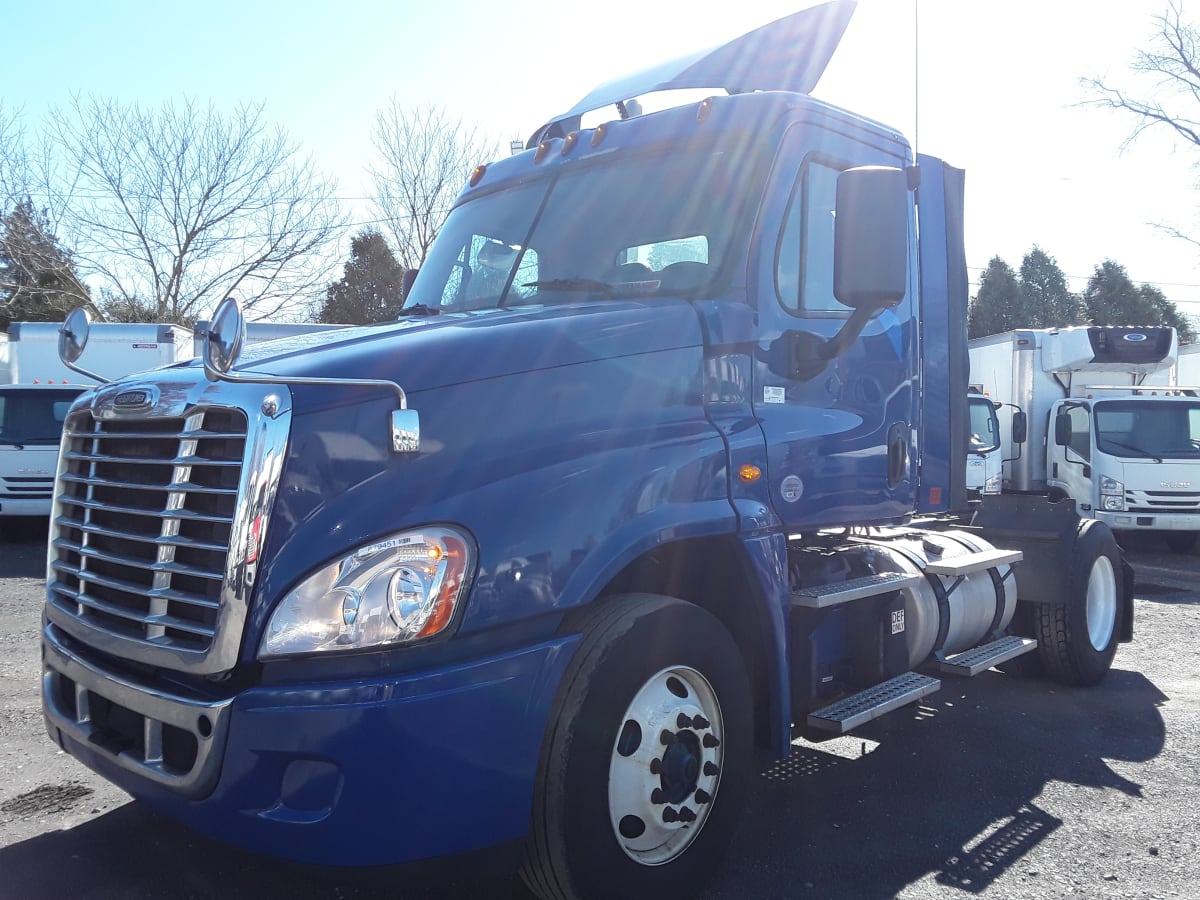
x=994, y=787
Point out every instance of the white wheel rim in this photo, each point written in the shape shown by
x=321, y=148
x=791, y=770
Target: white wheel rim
x=665, y=766
x=1101, y=603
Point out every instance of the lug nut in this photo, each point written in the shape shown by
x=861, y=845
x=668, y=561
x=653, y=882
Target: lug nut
x=700, y=723
x=656, y=766
x=686, y=814
x=702, y=796
x=683, y=721
x=711, y=768
x=711, y=741
x=656, y=797
x=666, y=738
x=669, y=815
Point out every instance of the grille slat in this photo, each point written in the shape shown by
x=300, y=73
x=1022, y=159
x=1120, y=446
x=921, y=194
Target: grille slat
x=183, y=514
x=76, y=456
x=92, y=602
x=135, y=561
x=66, y=522
x=129, y=587
x=146, y=512
x=184, y=486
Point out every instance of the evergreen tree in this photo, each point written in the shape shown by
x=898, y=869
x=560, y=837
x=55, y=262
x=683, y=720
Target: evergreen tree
x=1111, y=298
x=38, y=281
x=370, y=289
x=993, y=309
x=1044, y=300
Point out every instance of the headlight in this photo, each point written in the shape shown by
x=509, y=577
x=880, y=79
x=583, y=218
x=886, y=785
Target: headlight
x=1115, y=504
x=393, y=591
x=1111, y=486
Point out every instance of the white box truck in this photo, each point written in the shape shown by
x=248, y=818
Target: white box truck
x=259, y=332
x=1095, y=418
x=39, y=390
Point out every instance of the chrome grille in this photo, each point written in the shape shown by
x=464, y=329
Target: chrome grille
x=1162, y=501
x=146, y=511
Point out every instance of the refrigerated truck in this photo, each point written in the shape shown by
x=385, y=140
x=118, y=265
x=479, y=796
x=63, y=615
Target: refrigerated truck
x=1097, y=419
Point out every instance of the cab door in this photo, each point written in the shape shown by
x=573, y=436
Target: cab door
x=841, y=446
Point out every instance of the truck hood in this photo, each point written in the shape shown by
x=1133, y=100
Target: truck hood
x=437, y=351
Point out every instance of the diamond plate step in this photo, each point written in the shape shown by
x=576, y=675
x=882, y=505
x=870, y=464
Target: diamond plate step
x=823, y=595
x=973, y=562
x=872, y=703
x=983, y=657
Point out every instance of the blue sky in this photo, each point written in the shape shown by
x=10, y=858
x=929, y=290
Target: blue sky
x=999, y=91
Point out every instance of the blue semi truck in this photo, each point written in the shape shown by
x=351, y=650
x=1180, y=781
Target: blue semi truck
x=662, y=467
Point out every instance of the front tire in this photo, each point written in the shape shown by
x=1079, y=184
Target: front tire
x=1078, y=637
x=646, y=760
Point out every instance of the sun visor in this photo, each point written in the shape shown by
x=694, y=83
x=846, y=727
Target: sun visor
x=787, y=55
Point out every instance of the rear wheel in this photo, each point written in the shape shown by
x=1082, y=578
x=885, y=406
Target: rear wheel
x=644, y=765
x=1077, y=638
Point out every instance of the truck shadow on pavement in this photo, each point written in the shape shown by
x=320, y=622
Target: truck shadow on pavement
x=947, y=788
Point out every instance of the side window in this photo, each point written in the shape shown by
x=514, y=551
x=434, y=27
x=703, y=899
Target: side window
x=657, y=256
x=804, y=263
x=1081, y=428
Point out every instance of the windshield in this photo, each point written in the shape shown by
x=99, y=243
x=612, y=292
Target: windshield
x=985, y=430
x=633, y=226
x=1148, y=428
x=34, y=417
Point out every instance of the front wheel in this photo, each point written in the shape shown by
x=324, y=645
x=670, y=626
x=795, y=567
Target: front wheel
x=1077, y=637
x=644, y=765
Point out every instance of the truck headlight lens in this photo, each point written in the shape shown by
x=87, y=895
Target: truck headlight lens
x=403, y=588
x=1111, y=486
x=1116, y=504
x=1112, y=495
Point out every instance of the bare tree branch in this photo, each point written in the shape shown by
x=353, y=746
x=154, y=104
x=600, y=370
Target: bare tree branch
x=175, y=207
x=425, y=158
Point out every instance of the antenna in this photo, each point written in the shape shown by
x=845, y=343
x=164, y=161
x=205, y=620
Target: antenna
x=916, y=76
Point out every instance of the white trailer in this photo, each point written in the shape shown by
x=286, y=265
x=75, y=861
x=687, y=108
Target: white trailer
x=1187, y=367
x=39, y=390
x=1094, y=417
x=259, y=332
x=114, y=349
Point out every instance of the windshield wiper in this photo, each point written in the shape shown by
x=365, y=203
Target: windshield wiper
x=1140, y=450
x=588, y=285
x=420, y=309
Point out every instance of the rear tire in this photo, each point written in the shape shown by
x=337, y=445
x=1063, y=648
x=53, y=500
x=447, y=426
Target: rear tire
x=646, y=760
x=1078, y=637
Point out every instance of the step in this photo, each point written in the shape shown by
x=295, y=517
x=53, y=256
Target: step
x=955, y=566
x=981, y=658
x=823, y=595
x=872, y=703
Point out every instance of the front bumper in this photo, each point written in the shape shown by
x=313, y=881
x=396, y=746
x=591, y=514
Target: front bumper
x=368, y=772
x=38, y=506
x=1141, y=521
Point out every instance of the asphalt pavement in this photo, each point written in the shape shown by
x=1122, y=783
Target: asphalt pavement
x=993, y=787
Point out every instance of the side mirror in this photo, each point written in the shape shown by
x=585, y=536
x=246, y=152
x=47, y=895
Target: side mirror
x=1020, y=427
x=72, y=339
x=226, y=335
x=73, y=335
x=1062, y=429
x=406, y=282
x=870, y=249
